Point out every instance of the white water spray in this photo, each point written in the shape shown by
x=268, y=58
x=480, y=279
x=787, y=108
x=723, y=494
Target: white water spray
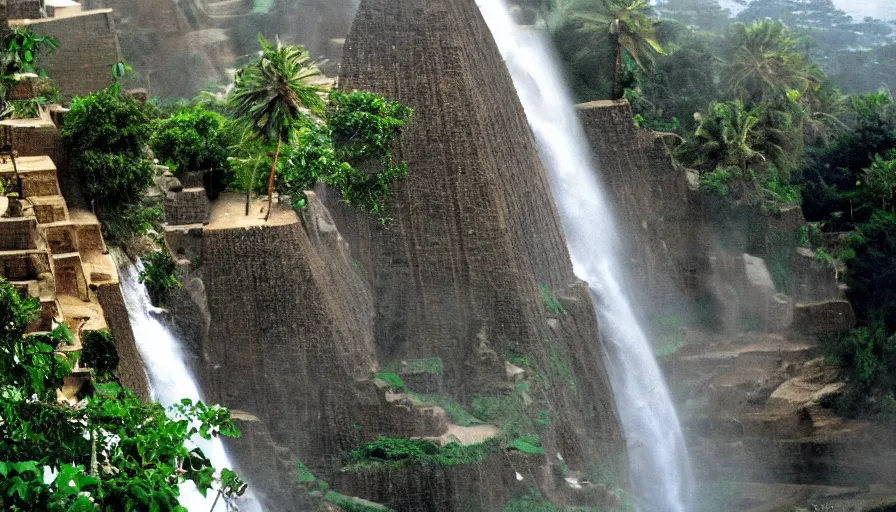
x=659, y=459
x=170, y=379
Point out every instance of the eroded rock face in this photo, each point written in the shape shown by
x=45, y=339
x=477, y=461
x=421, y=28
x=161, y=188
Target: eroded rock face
x=466, y=269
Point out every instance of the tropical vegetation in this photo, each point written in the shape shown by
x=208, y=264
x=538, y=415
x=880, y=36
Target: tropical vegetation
x=103, y=449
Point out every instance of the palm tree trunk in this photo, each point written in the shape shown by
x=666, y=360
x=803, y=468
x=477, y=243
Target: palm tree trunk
x=617, y=93
x=249, y=187
x=271, y=178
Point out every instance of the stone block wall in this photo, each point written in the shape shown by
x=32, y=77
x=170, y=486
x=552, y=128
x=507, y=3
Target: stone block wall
x=88, y=47
x=21, y=9
x=130, y=366
x=188, y=207
x=18, y=233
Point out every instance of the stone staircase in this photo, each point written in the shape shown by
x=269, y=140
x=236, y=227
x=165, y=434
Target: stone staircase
x=51, y=253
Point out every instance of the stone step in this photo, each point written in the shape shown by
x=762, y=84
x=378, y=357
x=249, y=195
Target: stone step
x=18, y=233
x=49, y=209
x=69, y=272
x=24, y=265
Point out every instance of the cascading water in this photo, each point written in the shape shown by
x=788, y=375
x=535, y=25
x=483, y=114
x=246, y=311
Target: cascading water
x=170, y=379
x=659, y=459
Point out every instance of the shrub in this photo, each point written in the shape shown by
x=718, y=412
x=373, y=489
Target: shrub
x=390, y=452
x=115, y=180
x=123, y=223
x=107, y=121
x=99, y=353
x=194, y=139
x=393, y=380
x=159, y=275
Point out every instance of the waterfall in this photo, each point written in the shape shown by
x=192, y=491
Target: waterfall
x=659, y=459
x=169, y=378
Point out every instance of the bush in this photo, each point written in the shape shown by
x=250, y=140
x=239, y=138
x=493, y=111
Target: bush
x=99, y=353
x=159, y=275
x=390, y=452
x=107, y=133
x=194, y=139
x=107, y=121
x=123, y=223
x=114, y=180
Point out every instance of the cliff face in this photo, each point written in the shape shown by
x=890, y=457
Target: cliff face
x=476, y=250
x=283, y=327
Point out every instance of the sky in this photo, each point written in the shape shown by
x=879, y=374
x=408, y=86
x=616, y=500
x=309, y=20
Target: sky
x=858, y=9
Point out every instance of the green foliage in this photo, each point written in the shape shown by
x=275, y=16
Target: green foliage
x=23, y=47
x=627, y=25
x=389, y=452
x=273, y=94
x=351, y=152
x=764, y=63
x=551, y=304
x=455, y=411
x=530, y=444
x=110, y=451
x=123, y=223
x=106, y=133
x=159, y=275
x=430, y=365
x=345, y=142
x=868, y=357
x=99, y=353
x=107, y=121
x=194, y=139
x=113, y=179
x=393, y=380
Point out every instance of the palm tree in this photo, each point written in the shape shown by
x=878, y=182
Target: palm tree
x=629, y=25
x=726, y=137
x=765, y=64
x=273, y=95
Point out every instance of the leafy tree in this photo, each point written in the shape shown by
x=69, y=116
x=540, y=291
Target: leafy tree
x=113, y=179
x=106, y=133
x=107, y=121
x=103, y=451
x=194, y=139
x=99, y=354
x=682, y=83
x=350, y=151
x=629, y=26
x=274, y=97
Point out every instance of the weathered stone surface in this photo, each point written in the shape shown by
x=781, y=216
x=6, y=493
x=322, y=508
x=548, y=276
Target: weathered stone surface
x=190, y=206
x=90, y=47
x=475, y=231
x=824, y=317
x=130, y=367
x=666, y=239
x=813, y=280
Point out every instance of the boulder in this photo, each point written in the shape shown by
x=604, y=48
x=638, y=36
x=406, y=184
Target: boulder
x=824, y=317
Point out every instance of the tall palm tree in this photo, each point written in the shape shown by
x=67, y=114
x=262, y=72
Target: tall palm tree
x=627, y=22
x=765, y=63
x=274, y=96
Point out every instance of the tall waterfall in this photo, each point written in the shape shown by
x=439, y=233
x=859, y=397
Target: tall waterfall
x=170, y=379
x=659, y=459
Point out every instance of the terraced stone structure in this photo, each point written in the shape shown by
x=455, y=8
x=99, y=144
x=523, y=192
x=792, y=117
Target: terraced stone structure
x=57, y=255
